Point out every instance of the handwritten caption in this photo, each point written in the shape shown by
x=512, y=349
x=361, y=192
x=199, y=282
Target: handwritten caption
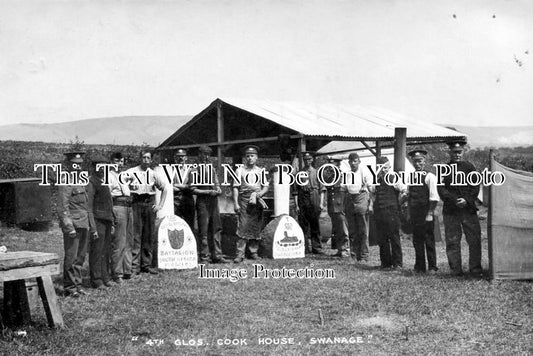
x=265, y=341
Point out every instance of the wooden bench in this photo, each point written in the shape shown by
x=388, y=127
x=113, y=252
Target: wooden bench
x=15, y=268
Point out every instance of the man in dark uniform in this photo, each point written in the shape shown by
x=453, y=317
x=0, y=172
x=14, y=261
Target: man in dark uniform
x=209, y=224
x=72, y=210
x=422, y=202
x=335, y=208
x=460, y=214
x=183, y=195
x=102, y=222
x=307, y=202
x=387, y=217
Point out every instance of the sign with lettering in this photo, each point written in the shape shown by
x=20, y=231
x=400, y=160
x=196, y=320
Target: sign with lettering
x=176, y=244
x=284, y=238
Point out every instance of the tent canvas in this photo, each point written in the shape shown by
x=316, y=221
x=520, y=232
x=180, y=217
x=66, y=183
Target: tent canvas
x=510, y=225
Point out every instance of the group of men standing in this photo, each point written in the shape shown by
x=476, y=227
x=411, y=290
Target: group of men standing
x=248, y=204
x=350, y=205
x=116, y=221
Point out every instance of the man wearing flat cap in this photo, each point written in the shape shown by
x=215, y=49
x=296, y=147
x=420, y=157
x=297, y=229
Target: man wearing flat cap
x=247, y=200
x=183, y=193
x=335, y=208
x=72, y=209
x=102, y=222
x=209, y=224
x=460, y=214
x=307, y=203
x=422, y=201
x=357, y=207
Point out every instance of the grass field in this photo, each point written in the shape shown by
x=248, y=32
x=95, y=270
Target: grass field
x=370, y=312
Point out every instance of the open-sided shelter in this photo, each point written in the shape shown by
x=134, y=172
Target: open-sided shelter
x=228, y=124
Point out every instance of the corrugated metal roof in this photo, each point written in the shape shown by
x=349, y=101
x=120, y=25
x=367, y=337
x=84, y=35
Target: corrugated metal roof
x=340, y=121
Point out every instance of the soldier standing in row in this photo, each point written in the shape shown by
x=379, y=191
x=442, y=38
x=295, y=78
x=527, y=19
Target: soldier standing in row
x=183, y=193
x=357, y=207
x=72, y=209
x=122, y=239
x=102, y=224
x=460, y=214
x=422, y=202
x=144, y=250
x=307, y=203
x=247, y=197
x=387, y=217
x=335, y=208
x=209, y=224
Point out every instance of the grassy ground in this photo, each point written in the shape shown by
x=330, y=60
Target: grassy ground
x=376, y=312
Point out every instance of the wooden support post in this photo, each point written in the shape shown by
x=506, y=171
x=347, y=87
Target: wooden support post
x=16, y=306
x=301, y=148
x=51, y=307
x=400, y=149
x=378, y=149
x=220, y=136
x=368, y=147
x=489, y=217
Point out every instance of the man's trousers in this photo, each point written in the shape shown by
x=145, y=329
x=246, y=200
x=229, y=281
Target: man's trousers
x=75, y=252
x=454, y=226
x=99, y=254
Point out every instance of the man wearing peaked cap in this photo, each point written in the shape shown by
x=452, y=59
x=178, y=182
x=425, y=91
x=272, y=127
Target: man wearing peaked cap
x=180, y=152
x=422, y=202
x=251, y=149
x=307, y=203
x=248, y=204
x=205, y=149
x=209, y=237
x=456, y=145
x=74, y=156
x=72, y=209
x=74, y=160
x=460, y=214
x=417, y=154
x=183, y=194
x=308, y=154
x=387, y=216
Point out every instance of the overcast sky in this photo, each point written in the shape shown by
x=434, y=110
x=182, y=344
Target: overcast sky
x=459, y=62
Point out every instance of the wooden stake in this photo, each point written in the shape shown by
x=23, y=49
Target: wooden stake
x=321, y=317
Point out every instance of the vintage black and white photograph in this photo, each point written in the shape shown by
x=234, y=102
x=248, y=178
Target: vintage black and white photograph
x=266, y=177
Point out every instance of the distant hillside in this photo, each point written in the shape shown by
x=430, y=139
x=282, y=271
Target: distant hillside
x=136, y=130
x=125, y=130
x=498, y=136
